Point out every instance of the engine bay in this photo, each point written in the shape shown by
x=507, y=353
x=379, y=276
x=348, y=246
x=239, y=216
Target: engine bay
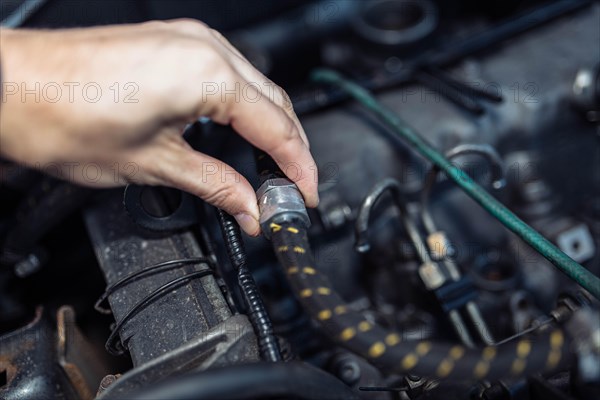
x=149, y=293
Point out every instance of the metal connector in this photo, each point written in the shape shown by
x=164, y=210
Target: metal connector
x=279, y=200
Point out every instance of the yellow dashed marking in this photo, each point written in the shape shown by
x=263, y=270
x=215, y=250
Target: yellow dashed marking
x=364, y=326
x=293, y=270
x=423, y=348
x=281, y=249
x=523, y=348
x=518, y=366
x=324, y=291
x=275, y=227
x=376, y=350
x=481, y=369
x=347, y=334
x=309, y=270
x=553, y=359
x=299, y=250
x=306, y=293
x=457, y=352
x=489, y=353
x=292, y=229
x=447, y=365
x=409, y=361
x=556, y=339
x=483, y=366
x=445, y=368
x=339, y=310
x=324, y=315
x=392, y=339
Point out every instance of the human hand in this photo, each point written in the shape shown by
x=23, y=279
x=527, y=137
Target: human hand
x=177, y=71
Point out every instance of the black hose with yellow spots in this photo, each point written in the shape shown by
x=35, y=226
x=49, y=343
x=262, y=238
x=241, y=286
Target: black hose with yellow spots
x=385, y=348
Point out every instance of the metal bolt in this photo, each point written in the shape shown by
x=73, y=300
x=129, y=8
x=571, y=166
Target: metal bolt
x=106, y=382
x=348, y=370
x=279, y=200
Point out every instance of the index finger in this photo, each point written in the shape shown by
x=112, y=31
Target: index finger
x=268, y=127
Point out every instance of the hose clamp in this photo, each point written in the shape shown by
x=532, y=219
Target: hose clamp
x=279, y=200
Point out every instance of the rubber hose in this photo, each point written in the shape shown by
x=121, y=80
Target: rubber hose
x=295, y=380
x=385, y=348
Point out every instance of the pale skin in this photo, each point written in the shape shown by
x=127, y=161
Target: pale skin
x=170, y=64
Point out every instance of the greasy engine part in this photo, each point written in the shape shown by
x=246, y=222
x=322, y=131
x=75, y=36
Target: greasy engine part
x=508, y=91
x=43, y=361
x=529, y=235
x=21, y=249
x=191, y=324
x=448, y=54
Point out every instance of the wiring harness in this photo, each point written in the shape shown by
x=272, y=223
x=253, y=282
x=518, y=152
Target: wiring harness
x=267, y=341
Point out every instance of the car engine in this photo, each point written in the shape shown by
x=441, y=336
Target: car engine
x=454, y=253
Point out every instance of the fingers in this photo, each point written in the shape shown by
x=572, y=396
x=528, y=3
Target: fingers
x=278, y=135
x=275, y=93
x=268, y=127
x=171, y=162
x=258, y=109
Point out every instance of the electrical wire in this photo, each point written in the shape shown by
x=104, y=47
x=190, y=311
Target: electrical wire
x=536, y=325
x=116, y=347
x=257, y=313
x=558, y=258
x=154, y=269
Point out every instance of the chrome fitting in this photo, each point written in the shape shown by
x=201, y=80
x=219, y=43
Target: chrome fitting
x=279, y=200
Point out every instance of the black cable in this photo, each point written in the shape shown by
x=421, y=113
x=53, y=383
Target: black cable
x=154, y=269
x=294, y=380
x=481, y=93
x=450, y=91
x=257, y=313
x=116, y=347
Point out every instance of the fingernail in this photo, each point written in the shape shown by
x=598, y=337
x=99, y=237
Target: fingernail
x=315, y=200
x=248, y=223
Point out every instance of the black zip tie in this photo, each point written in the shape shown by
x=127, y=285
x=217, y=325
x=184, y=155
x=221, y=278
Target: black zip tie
x=118, y=347
x=156, y=268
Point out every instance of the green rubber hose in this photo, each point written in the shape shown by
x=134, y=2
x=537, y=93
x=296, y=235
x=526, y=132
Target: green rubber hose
x=563, y=262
